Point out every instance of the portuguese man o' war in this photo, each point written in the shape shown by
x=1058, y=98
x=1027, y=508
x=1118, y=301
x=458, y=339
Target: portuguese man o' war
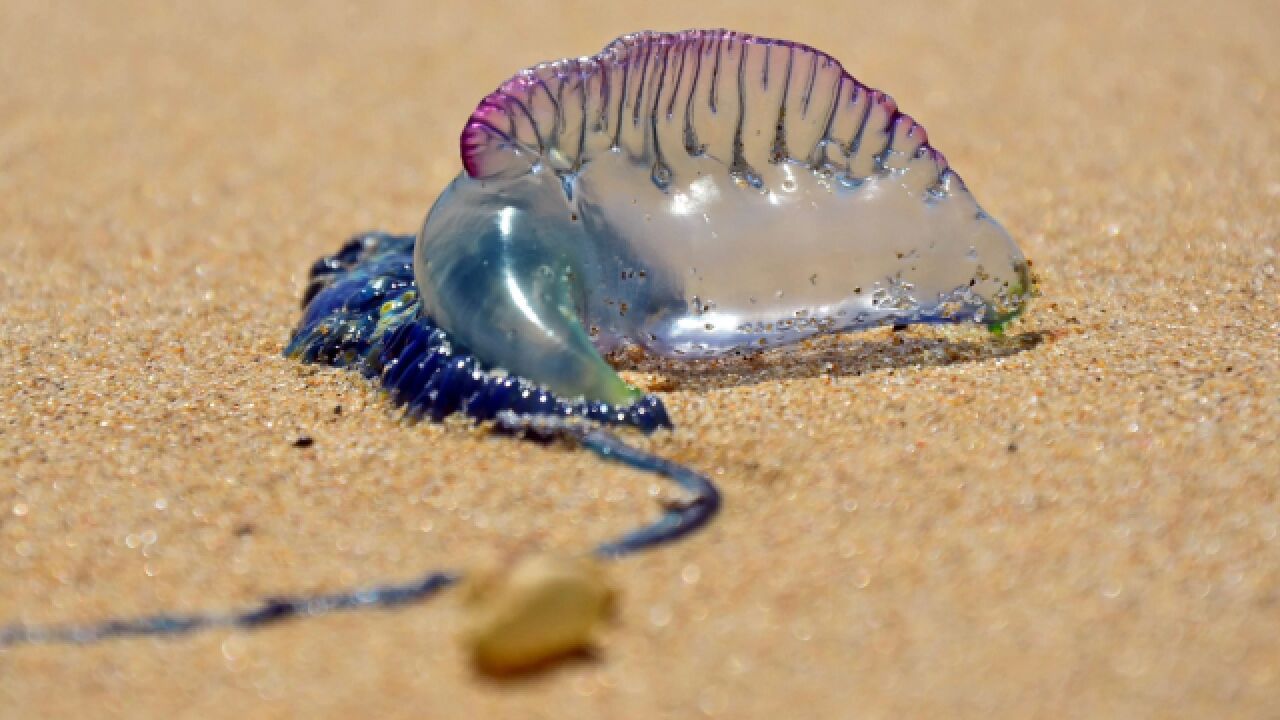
x=691, y=194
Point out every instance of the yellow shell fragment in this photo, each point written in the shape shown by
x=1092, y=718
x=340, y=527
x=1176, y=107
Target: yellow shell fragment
x=537, y=609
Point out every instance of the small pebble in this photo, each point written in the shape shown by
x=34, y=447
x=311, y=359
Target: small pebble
x=540, y=608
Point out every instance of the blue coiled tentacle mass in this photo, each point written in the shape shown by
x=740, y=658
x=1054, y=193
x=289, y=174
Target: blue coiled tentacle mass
x=362, y=310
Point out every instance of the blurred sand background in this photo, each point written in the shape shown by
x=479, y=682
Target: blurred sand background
x=1080, y=521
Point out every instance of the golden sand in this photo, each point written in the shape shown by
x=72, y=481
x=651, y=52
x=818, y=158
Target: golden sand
x=1080, y=520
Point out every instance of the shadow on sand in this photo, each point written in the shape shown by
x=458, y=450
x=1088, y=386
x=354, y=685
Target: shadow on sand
x=834, y=356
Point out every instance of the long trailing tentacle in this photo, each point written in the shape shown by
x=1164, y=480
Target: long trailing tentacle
x=679, y=519
x=270, y=610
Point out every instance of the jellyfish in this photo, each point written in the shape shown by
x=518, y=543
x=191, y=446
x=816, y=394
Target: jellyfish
x=691, y=194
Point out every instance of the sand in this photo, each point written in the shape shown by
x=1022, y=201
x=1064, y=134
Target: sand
x=1079, y=521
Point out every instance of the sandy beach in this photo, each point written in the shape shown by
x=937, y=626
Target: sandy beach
x=1078, y=520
